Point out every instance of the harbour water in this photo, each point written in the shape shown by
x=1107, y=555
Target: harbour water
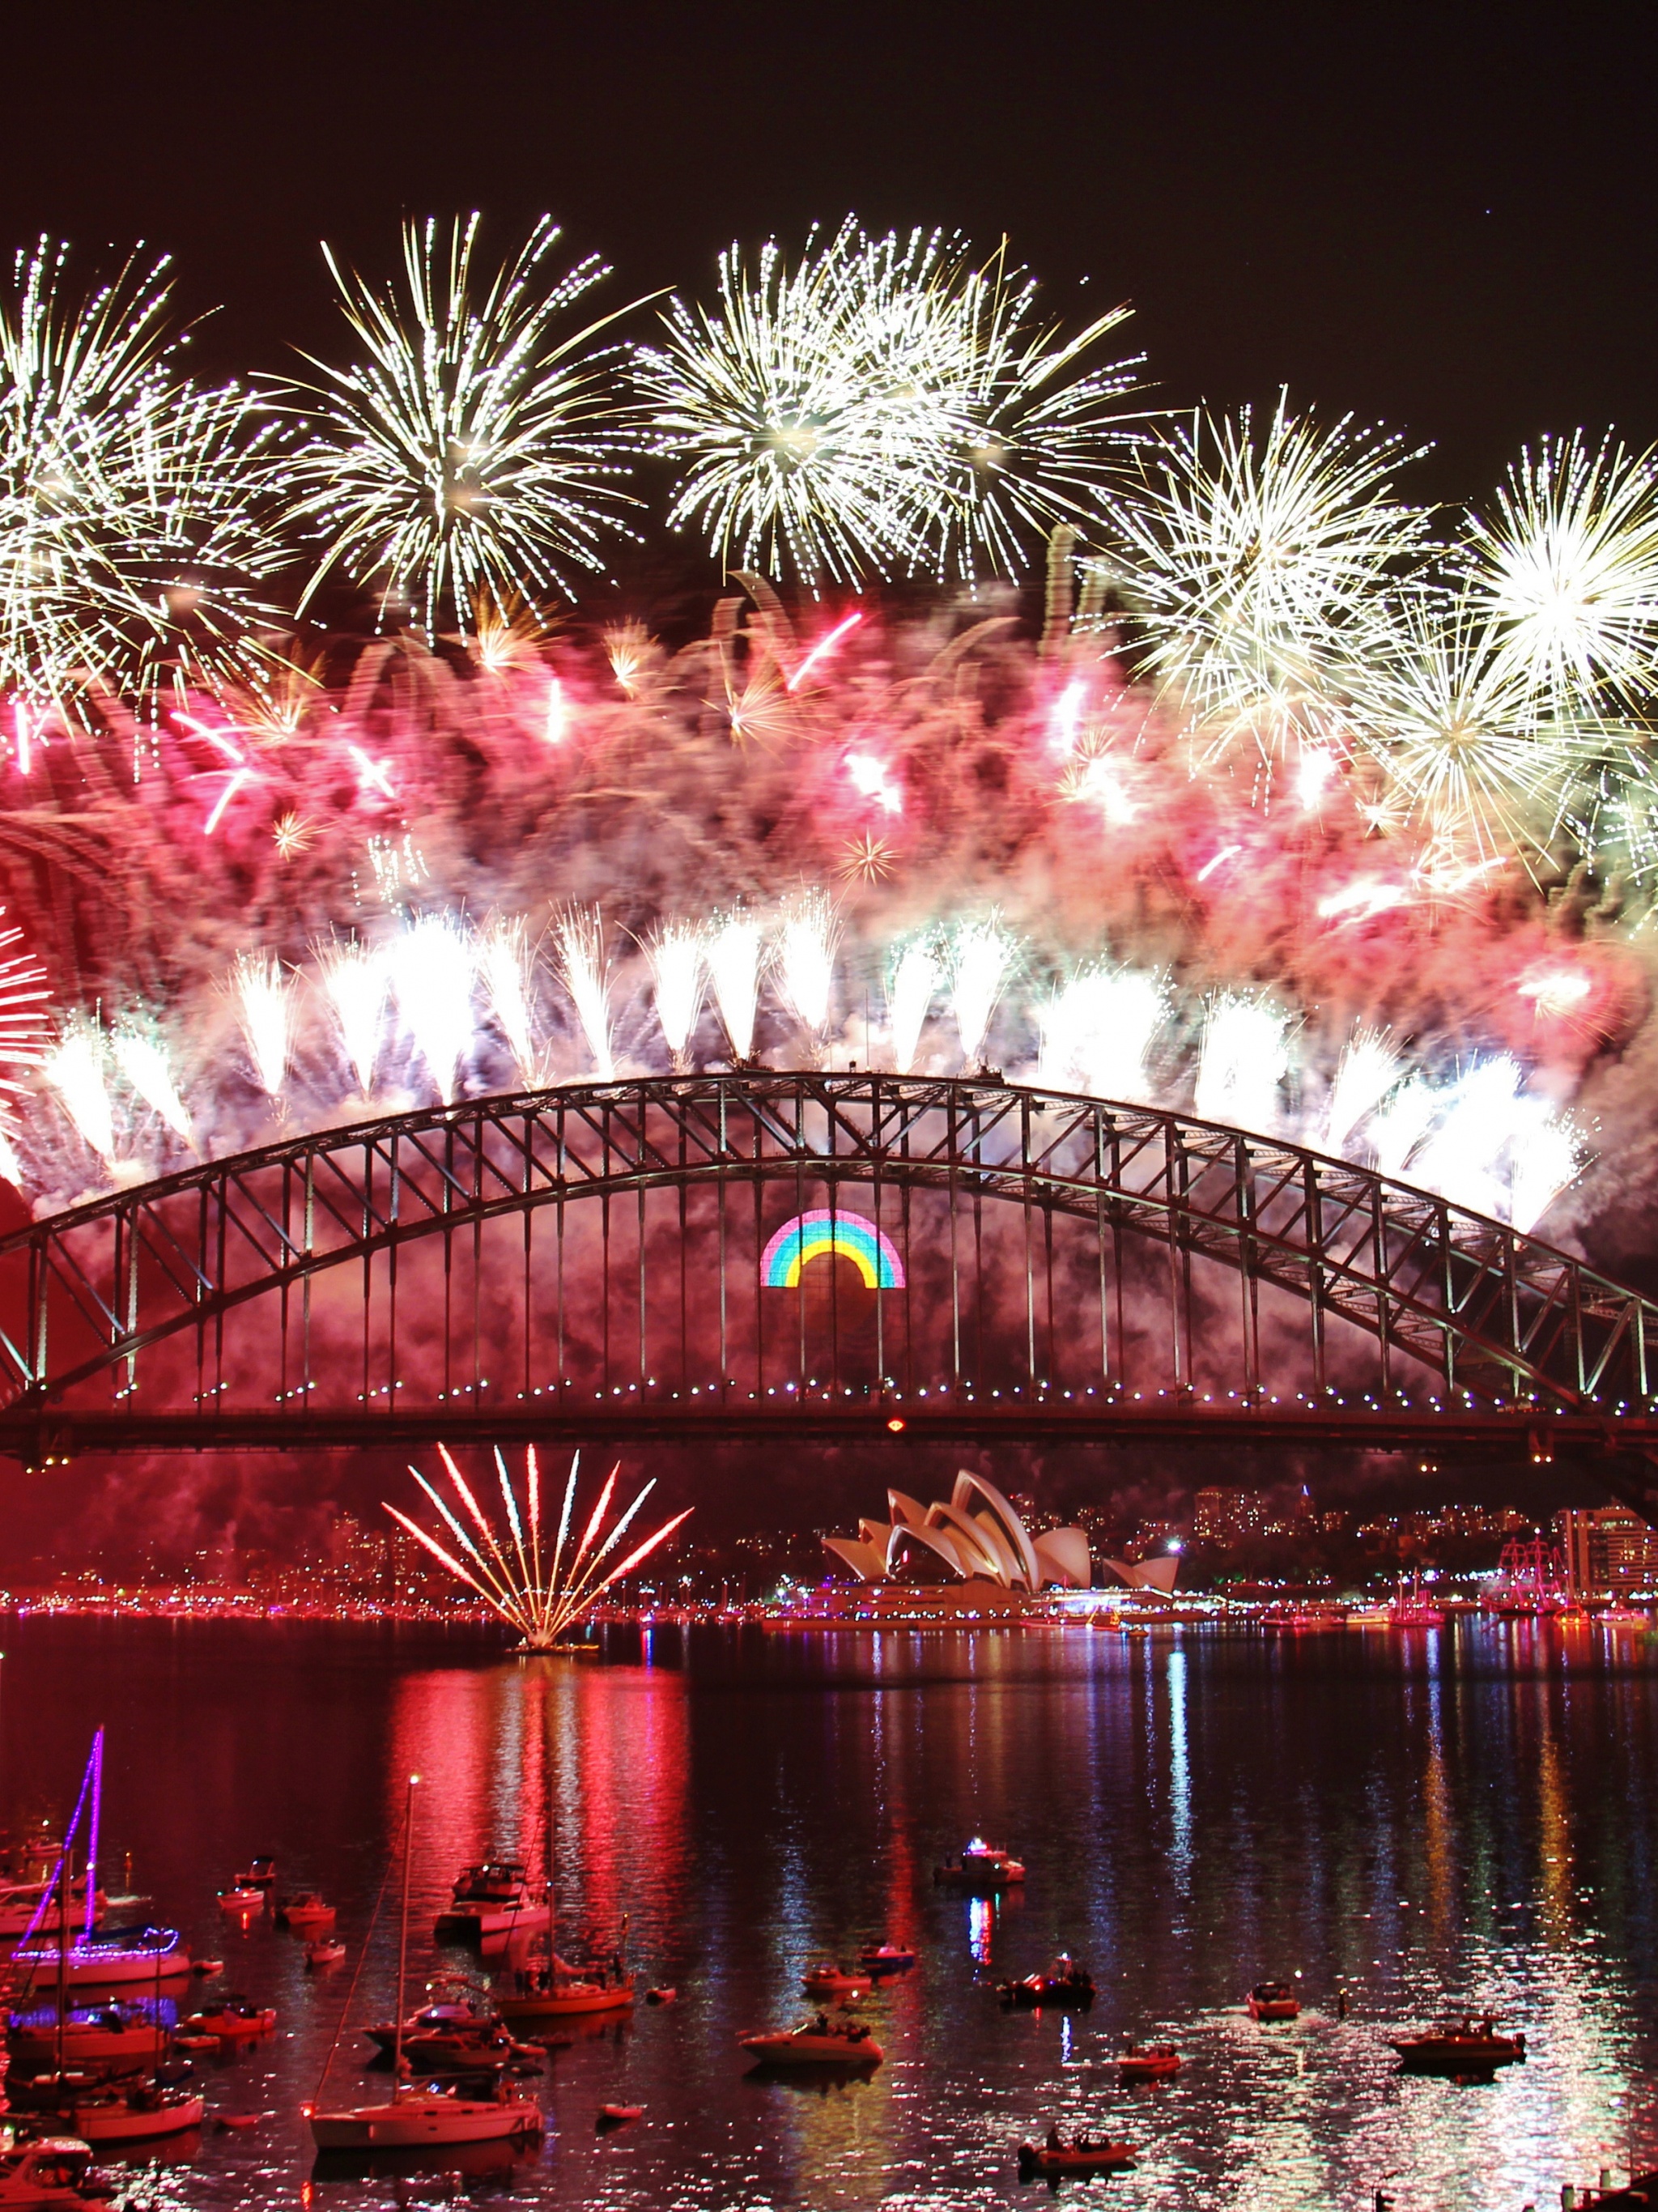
x=1420, y=1819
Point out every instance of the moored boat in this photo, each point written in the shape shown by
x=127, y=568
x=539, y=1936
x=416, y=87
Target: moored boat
x=137, y=2115
x=1148, y=2062
x=26, y=1908
x=493, y=1898
x=243, y=1896
x=1272, y=2001
x=981, y=1868
x=328, y=1953
x=258, y=1874
x=1463, y=2045
x=460, y=2016
x=113, y=2037
x=1065, y=1985
x=307, y=1910
x=233, y=2022
x=108, y=1958
x=51, y=2170
x=820, y=2042
x=886, y=1958
x=1081, y=2155
x=568, y=1991
x=827, y=1979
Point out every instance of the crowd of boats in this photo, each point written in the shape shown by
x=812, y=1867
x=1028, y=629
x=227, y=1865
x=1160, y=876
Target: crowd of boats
x=96, y=2058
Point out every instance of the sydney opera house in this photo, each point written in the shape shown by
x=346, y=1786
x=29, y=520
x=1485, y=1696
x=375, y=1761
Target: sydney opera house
x=978, y=1540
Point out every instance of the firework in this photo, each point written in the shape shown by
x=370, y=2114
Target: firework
x=1367, y=1072
x=141, y=1057
x=474, y=448
x=1546, y=1154
x=579, y=937
x=24, y=995
x=732, y=949
x=1399, y=1126
x=76, y=1070
x=1258, y=566
x=1097, y=1032
x=980, y=955
x=1565, y=571
x=1462, y=1158
x=507, y=965
x=805, y=955
x=135, y=544
x=263, y=1001
x=355, y=983
x=676, y=968
x=1244, y=1060
x=541, y=1593
x=432, y=973
x=913, y=978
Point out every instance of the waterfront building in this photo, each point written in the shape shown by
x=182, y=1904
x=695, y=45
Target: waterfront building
x=1608, y=1549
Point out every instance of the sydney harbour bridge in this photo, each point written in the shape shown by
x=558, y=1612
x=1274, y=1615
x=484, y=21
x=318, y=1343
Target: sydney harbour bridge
x=808, y=1257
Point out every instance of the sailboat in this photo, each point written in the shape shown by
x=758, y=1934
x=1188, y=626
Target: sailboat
x=415, y=2119
x=563, y=1991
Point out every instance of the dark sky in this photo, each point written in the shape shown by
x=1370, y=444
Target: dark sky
x=1441, y=217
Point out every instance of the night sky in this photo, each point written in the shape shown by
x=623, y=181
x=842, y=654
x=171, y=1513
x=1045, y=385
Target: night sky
x=1440, y=218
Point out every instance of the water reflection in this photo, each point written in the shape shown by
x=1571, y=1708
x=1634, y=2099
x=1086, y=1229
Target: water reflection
x=1454, y=1817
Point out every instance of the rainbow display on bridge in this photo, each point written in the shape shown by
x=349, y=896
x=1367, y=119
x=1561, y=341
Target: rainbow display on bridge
x=811, y=1235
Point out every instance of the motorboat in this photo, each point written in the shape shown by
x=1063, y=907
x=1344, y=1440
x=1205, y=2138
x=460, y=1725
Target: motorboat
x=661, y=1996
x=205, y=1969
x=113, y=2037
x=461, y=2016
x=308, y=1910
x=258, y=1874
x=820, y=2042
x=1148, y=2062
x=828, y=1980
x=494, y=1898
x=51, y=2170
x=476, y=2050
x=1065, y=1985
x=233, y=2022
x=328, y=1953
x=418, y=2119
x=244, y=1898
x=1272, y=2001
x=619, y=2116
x=106, y=1958
x=980, y=1869
x=137, y=2115
x=1464, y=2044
x=886, y=1958
x=1081, y=2155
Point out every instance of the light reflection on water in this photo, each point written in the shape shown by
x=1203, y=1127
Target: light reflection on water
x=1425, y=1820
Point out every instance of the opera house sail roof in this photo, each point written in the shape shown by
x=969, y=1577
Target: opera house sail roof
x=977, y=1537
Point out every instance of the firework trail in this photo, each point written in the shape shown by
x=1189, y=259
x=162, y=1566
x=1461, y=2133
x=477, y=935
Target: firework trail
x=676, y=954
x=432, y=974
x=580, y=940
x=915, y=976
x=264, y=999
x=141, y=1054
x=1098, y=1029
x=356, y=985
x=805, y=955
x=1246, y=1057
x=732, y=949
x=1368, y=1071
x=541, y=1598
x=980, y=956
x=75, y=1070
x=507, y=966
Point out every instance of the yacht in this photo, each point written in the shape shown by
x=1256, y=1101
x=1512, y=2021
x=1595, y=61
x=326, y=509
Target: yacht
x=1460, y=2045
x=51, y=2170
x=494, y=1898
x=114, y=2037
x=137, y=2114
x=820, y=2042
x=25, y=1907
x=106, y=1958
x=981, y=1869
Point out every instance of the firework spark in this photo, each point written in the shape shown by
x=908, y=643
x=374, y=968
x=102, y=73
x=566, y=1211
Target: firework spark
x=580, y=938
x=732, y=949
x=508, y=964
x=1245, y=1059
x=1098, y=1029
x=677, y=970
x=263, y=1002
x=805, y=955
x=540, y=1594
x=474, y=447
x=980, y=956
x=77, y=1069
x=432, y=973
x=141, y=1057
x=356, y=985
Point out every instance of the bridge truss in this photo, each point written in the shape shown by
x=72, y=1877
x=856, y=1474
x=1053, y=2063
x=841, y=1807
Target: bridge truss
x=589, y=1260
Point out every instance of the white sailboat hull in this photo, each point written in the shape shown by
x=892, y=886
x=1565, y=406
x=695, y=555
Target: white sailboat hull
x=415, y=2122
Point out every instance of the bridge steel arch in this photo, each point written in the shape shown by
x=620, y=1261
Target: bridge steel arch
x=1052, y=1246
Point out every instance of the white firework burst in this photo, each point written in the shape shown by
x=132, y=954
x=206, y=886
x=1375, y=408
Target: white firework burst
x=1244, y=1060
x=679, y=972
x=915, y=975
x=475, y=448
x=357, y=985
x=981, y=959
x=578, y=937
x=804, y=959
x=1257, y=563
x=133, y=536
x=1097, y=1032
x=508, y=964
x=731, y=948
x=1565, y=569
x=264, y=999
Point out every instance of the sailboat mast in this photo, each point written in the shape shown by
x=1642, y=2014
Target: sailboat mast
x=403, y=1931
x=65, y=1886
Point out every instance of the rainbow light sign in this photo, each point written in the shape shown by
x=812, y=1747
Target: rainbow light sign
x=811, y=1235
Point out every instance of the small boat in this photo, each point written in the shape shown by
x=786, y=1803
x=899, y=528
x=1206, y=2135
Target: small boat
x=1065, y=1985
x=1459, y=2046
x=493, y=1898
x=567, y=1991
x=244, y=1898
x=197, y=2046
x=107, y=1958
x=207, y=1967
x=1080, y=2156
x=51, y=2170
x=449, y=2050
x=1148, y=2062
x=461, y=2018
x=233, y=2122
x=661, y=1997
x=619, y=2116
x=137, y=2115
x=1272, y=2001
x=111, y=2038
x=308, y=1910
x=259, y=1873
x=328, y=1953
x=980, y=1869
x=886, y=1958
x=416, y=2119
x=819, y=2042
x=828, y=1980
x=233, y=2022
x=26, y=1905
